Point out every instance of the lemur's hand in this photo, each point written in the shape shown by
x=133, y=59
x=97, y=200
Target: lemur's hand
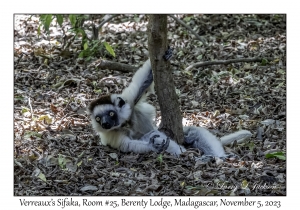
x=168, y=54
x=160, y=144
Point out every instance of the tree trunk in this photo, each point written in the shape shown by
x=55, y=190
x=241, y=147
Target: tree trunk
x=171, y=123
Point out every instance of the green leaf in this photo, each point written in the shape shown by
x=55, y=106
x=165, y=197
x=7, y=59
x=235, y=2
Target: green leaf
x=46, y=118
x=244, y=184
x=48, y=20
x=81, y=154
x=281, y=71
x=280, y=85
x=84, y=53
x=264, y=62
x=89, y=58
x=42, y=177
x=279, y=155
x=109, y=49
x=136, y=19
x=234, y=71
x=59, y=19
x=80, y=31
x=251, y=146
x=199, y=57
x=79, y=164
x=85, y=46
x=19, y=98
x=180, y=54
x=43, y=17
x=187, y=19
x=81, y=54
x=98, y=91
x=72, y=20
x=160, y=158
x=29, y=134
x=61, y=161
x=95, y=45
x=24, y=109
x=39, y=30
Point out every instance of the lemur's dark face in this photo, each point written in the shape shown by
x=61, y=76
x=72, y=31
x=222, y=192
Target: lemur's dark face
x=107, y=119
x=108, y=112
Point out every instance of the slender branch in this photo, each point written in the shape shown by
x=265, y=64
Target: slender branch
x=190, y=29
x=106, y=20
x=216, y=62
x=105, y=64
x=64, y=61
x=29, y=103
x=95, y=29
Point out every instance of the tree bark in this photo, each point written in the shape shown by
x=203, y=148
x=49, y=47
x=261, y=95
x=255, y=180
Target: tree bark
x=171, y=123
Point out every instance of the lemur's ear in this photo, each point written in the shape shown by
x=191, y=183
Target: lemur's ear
x=121, y=102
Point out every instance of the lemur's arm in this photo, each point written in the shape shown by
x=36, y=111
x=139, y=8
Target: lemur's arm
x=141, y=82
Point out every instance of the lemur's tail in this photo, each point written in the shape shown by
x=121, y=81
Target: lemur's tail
x=201, y=138
x=239, y=136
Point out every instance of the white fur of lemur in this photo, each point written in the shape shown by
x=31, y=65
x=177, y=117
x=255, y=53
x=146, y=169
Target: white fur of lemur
x=125, y=121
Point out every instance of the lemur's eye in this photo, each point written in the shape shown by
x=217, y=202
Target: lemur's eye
x=97, y=119
x=111, y=114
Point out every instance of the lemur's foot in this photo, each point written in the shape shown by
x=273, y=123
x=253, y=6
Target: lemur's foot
x=205, y=158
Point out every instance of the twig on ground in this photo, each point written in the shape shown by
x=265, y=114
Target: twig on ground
x=105, y=64
x=29, y=102
x=216, y=62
